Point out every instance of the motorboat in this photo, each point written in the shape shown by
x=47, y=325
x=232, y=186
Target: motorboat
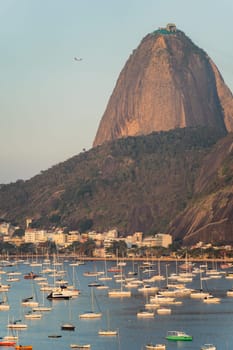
x=60, y=293
x=178, y=336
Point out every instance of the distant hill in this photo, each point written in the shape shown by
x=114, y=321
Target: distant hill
x=133, y=184
x=167, y=82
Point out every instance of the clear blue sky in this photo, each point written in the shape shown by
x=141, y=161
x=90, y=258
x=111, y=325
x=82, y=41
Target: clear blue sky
x=51, y=105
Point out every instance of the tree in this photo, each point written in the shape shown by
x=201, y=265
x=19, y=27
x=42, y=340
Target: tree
x=89, y=247
x=7, y=248
x=28, y=248
x=19, y=232
x=118, y=248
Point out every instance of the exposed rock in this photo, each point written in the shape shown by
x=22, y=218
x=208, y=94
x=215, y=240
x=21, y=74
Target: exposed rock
x=209, y=218
x=167, y=83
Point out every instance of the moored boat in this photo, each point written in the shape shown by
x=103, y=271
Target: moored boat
x=67, y=327
x=208, y=347
x=199, y=294
x=107, y=332
x=178, y=336
x=54, y=336
x=30, y=276
x=80, y=346
x=164, y=311
x=7, y=343
x=145, y=314
x=17, y=325
x=33, y=315
x=116, y=293
x=210, y=299
x=60, y=294
x=230, y=292
x=91, y=315
x=23, y=347
x=155, y=346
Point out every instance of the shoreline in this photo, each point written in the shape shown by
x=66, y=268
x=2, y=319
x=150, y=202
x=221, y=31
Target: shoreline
x=86, y=258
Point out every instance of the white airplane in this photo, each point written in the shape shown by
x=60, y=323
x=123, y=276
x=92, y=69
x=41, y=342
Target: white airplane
x=77, y=58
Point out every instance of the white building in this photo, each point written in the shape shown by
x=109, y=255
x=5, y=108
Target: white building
x=163, y=240
x=158, y=240
x=35, y=236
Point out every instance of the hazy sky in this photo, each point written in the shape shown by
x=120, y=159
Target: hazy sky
x=50, y=104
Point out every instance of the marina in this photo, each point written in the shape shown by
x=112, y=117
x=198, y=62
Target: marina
x=137, y=321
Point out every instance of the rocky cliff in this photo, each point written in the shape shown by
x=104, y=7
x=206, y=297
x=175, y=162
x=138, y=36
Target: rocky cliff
x=209, y=218
x=167, y=83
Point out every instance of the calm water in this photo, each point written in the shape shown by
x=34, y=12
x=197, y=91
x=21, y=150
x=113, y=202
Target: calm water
x=207, y=323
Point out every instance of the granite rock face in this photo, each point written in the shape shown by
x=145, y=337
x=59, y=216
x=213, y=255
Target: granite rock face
x=167, y=82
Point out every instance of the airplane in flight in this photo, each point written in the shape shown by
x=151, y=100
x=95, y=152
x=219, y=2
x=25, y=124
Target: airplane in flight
x=77, y=58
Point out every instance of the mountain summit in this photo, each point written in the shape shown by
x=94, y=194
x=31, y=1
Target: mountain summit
x=168, y=82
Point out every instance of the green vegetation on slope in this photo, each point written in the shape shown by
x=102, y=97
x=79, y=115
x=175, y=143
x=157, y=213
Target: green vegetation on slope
x=133, y=184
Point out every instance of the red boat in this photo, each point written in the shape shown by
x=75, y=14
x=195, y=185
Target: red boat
x=30, y=276
x=114, y=269
x=7, y=343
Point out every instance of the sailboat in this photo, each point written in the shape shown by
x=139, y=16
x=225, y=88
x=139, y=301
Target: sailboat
x=17, y=325
x=32, y=300
x=91, y=314
x=199, y=294
x=105, y=277
x=19, y=346
x=72, y=288
x=42, y=307
x=33, y=315
x=68, y=326
x=80, y=346
x=108, y=331
x=4, y=305
x=116, y=293
x=6, y=342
